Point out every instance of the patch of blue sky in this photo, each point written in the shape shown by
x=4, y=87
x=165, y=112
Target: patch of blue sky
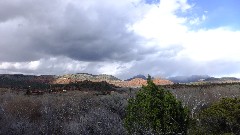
x=152, y=1
x=219, y=13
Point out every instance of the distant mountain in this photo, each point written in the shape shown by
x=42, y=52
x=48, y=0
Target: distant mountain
x=20, y=80
x=221, y=80
x=202, y=78
x=137, y=76
x=188, y=79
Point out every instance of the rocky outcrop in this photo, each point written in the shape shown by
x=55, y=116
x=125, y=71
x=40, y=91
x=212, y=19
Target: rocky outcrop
x=159, y=81
x=134, y=82
x=73, y=78
x=139, y=82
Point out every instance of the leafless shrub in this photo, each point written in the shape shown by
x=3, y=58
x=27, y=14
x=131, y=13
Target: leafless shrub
x=79, y=112
x=197, y=97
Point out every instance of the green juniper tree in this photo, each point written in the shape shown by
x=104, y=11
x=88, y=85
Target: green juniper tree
x=222, y=117
x=156, y=111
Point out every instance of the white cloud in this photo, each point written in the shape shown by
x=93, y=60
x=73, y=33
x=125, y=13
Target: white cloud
x=195, y=21
x=204, y=17
x=167, y=29
x=161, y=24
x=33, y=65
x=63, y=65
x=212, y=44
x=201, y=46
x=113, y=68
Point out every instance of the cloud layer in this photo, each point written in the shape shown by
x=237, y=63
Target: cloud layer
x=122, y=38
x=84, y=31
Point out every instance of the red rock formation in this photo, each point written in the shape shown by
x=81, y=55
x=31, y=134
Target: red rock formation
x=137, y=82
x=62, y=81
x=159, y=81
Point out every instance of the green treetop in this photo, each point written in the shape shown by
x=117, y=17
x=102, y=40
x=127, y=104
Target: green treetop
x=155, y=110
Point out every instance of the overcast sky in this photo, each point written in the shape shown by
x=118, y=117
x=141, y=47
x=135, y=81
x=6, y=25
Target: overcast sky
x=120, y=37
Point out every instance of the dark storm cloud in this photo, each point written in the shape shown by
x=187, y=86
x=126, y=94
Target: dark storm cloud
x=86, y=31
x=11, y=9
x=73, y=32
x=100, y=36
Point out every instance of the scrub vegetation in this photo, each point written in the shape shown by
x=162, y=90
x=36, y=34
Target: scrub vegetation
x=171, y=109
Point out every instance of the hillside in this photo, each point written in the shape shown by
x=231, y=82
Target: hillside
x=197, y=97
x=20, y=81
x=73, y=78
x=221, y=80
x=28, y=78
x=69, y=81
x=188, y=79
x=202, y=79
x=43, y=81
x=132, y=82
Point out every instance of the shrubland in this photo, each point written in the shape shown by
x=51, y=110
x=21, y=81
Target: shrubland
x=74, y=112
x=86, y=111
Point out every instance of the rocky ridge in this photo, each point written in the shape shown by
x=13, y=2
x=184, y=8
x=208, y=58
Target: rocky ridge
x=73, y=78
x=221, y=80
x=134, y=82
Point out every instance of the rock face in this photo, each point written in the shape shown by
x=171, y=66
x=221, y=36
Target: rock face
x=159, y=81
x=139, y=82
x=134, y=82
